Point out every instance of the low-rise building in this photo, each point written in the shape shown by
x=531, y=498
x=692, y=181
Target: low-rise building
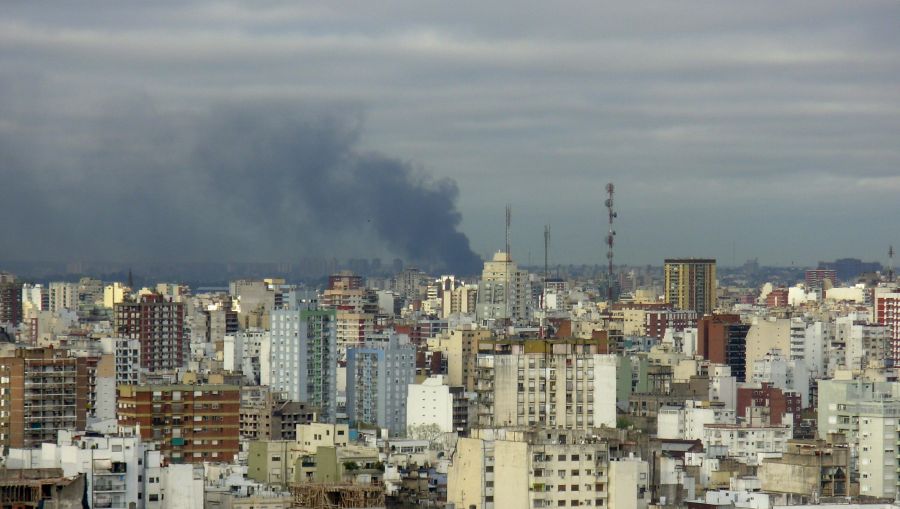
x=748, y=443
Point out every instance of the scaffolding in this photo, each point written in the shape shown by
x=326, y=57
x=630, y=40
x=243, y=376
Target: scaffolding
x=337, y=496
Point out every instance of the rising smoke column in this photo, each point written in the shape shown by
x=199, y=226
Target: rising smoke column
x=244, y=182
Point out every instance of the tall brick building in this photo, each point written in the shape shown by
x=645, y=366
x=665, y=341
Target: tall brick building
x=722, y=338
x=10, y=299
x=887, y=313
x=42, y=391
x=158, y=323
x=191, y=423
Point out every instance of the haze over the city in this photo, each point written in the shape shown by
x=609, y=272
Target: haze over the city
x=263, y=131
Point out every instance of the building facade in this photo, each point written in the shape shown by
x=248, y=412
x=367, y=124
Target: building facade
x=42, y=391
x=158, y=323
x=569, y=390
x=497, y=468
x=191, y=423
x=504, y=292
x=379, y=373
x=690, y=283
x=303, y=357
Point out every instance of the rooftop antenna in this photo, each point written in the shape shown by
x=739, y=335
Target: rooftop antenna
x=508, y=261
x=610, y=240
x=508, y=222
x=891, y=263
x=546, y=252
x=546, y=277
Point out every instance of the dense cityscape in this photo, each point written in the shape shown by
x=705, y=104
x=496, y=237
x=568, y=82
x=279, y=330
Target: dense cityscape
x=254, y=254
x=512, y=388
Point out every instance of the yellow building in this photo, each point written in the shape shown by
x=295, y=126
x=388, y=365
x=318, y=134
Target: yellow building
x=691, y=284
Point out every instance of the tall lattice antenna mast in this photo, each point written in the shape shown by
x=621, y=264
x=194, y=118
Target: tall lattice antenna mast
x=508, y=263
x=891, y=263
x=508, y=222
x=546, y=253
x=610, y=241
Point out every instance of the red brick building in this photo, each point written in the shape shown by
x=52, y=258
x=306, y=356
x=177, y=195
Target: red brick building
x=777, y=298
x=887, y=313
x=722, y=338
x=191, y=423
x=777, y=401
x=657, y=321
x=42, y=391
x=158, y=323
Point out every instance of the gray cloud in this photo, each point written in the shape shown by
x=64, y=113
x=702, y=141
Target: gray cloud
x=758, y=121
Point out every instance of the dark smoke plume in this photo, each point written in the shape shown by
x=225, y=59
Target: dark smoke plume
x=242, y=183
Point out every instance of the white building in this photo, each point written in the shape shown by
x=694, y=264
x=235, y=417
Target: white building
x=127, y=354
x=722, y=385
x=242, y=352
x=867, y=414
x=689, y=422
x=748, y=444
x=113, y=466
x=430, y=403
x=575, y=391
x=504, y=292
x=866, y=344
x=499, y=468
x=303, y=356
x=63, y=296
x=808, y=343
x=787, y=375
x=174, y=486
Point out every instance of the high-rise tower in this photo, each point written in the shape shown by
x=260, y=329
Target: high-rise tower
x=691, y=284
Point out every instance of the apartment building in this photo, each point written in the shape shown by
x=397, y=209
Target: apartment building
x=690, y=283
x=378, y=376
x=158, y=323
x=567, y=390
x=42, y=391
x=527, y=467
x=355, y=308
x=10, y=299
x=268, y=416
x=748, y=443
x=303, y=357
x=866, y=344
x=867, y=414
x=887, y=313
x=504, y=292
x=191, y=423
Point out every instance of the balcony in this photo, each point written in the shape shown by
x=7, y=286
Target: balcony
x=109, y=487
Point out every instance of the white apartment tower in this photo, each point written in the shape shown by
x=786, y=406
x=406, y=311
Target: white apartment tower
x=303, y=356
x=504, y=292
x=574, y=391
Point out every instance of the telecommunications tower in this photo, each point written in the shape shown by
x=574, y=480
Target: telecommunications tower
x=610, y=241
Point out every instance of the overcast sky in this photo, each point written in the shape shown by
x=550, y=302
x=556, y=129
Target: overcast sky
x=767, y=129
